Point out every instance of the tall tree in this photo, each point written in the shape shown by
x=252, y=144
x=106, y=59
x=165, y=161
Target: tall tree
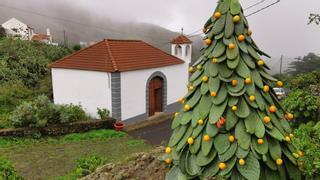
x=305, y=64
x=231, y=123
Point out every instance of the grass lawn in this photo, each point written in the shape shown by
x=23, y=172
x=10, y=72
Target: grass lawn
x=49, y=158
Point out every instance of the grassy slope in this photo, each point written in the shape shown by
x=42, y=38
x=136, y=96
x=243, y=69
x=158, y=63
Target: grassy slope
x=49, y=158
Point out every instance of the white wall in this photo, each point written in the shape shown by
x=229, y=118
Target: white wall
x=134, y=83
x=91, y=89
x=15, y=27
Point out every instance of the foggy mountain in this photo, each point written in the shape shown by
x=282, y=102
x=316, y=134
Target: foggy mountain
x=81, y=26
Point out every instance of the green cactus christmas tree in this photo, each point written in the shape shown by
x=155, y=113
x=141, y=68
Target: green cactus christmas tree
x=231, y=124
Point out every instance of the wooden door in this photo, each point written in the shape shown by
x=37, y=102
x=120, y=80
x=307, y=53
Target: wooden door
x=155, y=95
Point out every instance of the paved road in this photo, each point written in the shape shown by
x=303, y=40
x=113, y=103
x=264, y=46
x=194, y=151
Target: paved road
x=155, y=134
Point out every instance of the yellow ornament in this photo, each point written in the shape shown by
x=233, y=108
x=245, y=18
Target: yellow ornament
x=207, y=41
x=191, y=69
x=260, y=62
x=168, y=150
x=301, y=154
x=231, y=46
x=236, y=19
x=181, y=100
x=291, y=136
x=234, y=82
x=241, y=38
x=190, y=140
x=199, y=67
x=217, y=15
x=287, y=138
x=222, y=166
x=266, y=88
x=272, y=109
x=168, y=161
x=295, y=155
x=213, y=94
x=206, y=138
x=215, y=60
x=187, y=107
x=249, y=32
x=279, y=84
x=242, y=162
x=279, y=161
x=252, y=98
x=231, y=138
x=205, y=78
x=200, y=122
x=247, y=81
x=191, y=88
x=260, y=141
x=234, y=108
x=266, y=119
x=290, y=116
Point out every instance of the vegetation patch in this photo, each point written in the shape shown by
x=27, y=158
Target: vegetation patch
x=307, y=137
x=59, y=155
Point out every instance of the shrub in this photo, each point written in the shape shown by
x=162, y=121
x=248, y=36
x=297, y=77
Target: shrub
x=72, y=113
x=307, y=138
x=41, y=112
x=103, y=113
x=7, y=170
x=304, y=80
x=38, y=113
x=88, y=165
x=303, y=105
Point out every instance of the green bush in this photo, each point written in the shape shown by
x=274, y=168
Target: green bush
x=27, y=61
x=103, y=113
x=89, y=164
x=307, y=138
x=41, y=112
x=84, y=166
x=303, y=105
x=37, y=113
x=72, y=113
x=304, y=80
x=7, y=170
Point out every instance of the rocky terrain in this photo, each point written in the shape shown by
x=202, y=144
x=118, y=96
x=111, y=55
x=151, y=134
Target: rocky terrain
x=140, y=166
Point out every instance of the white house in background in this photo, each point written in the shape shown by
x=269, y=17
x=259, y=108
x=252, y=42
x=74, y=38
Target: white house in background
x=131, y=78
x=45, y=38
x=16, y=28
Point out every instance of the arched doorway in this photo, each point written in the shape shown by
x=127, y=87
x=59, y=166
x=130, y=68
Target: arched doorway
x=156, y=92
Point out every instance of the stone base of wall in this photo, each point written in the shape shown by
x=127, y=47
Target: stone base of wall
x=60, y=129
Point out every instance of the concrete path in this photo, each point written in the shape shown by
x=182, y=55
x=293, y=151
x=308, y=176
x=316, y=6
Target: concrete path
x=155, y=133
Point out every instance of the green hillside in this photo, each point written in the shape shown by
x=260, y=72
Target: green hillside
x=24, y=72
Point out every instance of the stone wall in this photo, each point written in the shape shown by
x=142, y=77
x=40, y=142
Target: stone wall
x=60, y=129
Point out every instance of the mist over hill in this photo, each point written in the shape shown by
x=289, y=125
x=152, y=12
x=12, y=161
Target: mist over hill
x=83, y=24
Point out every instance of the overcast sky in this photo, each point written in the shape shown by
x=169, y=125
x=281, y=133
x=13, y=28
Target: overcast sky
x=280, y=29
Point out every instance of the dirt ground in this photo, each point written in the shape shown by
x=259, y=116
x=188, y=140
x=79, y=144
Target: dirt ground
x=141, y=166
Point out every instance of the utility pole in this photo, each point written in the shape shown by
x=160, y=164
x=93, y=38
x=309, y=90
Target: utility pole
x=281, y=64
x=64, y=38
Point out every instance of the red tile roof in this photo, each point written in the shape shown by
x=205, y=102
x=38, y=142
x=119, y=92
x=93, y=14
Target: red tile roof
x=117, y=55
x=182, y=39
x=40, y=37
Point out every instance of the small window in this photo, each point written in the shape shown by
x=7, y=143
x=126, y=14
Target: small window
x=178, y=50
